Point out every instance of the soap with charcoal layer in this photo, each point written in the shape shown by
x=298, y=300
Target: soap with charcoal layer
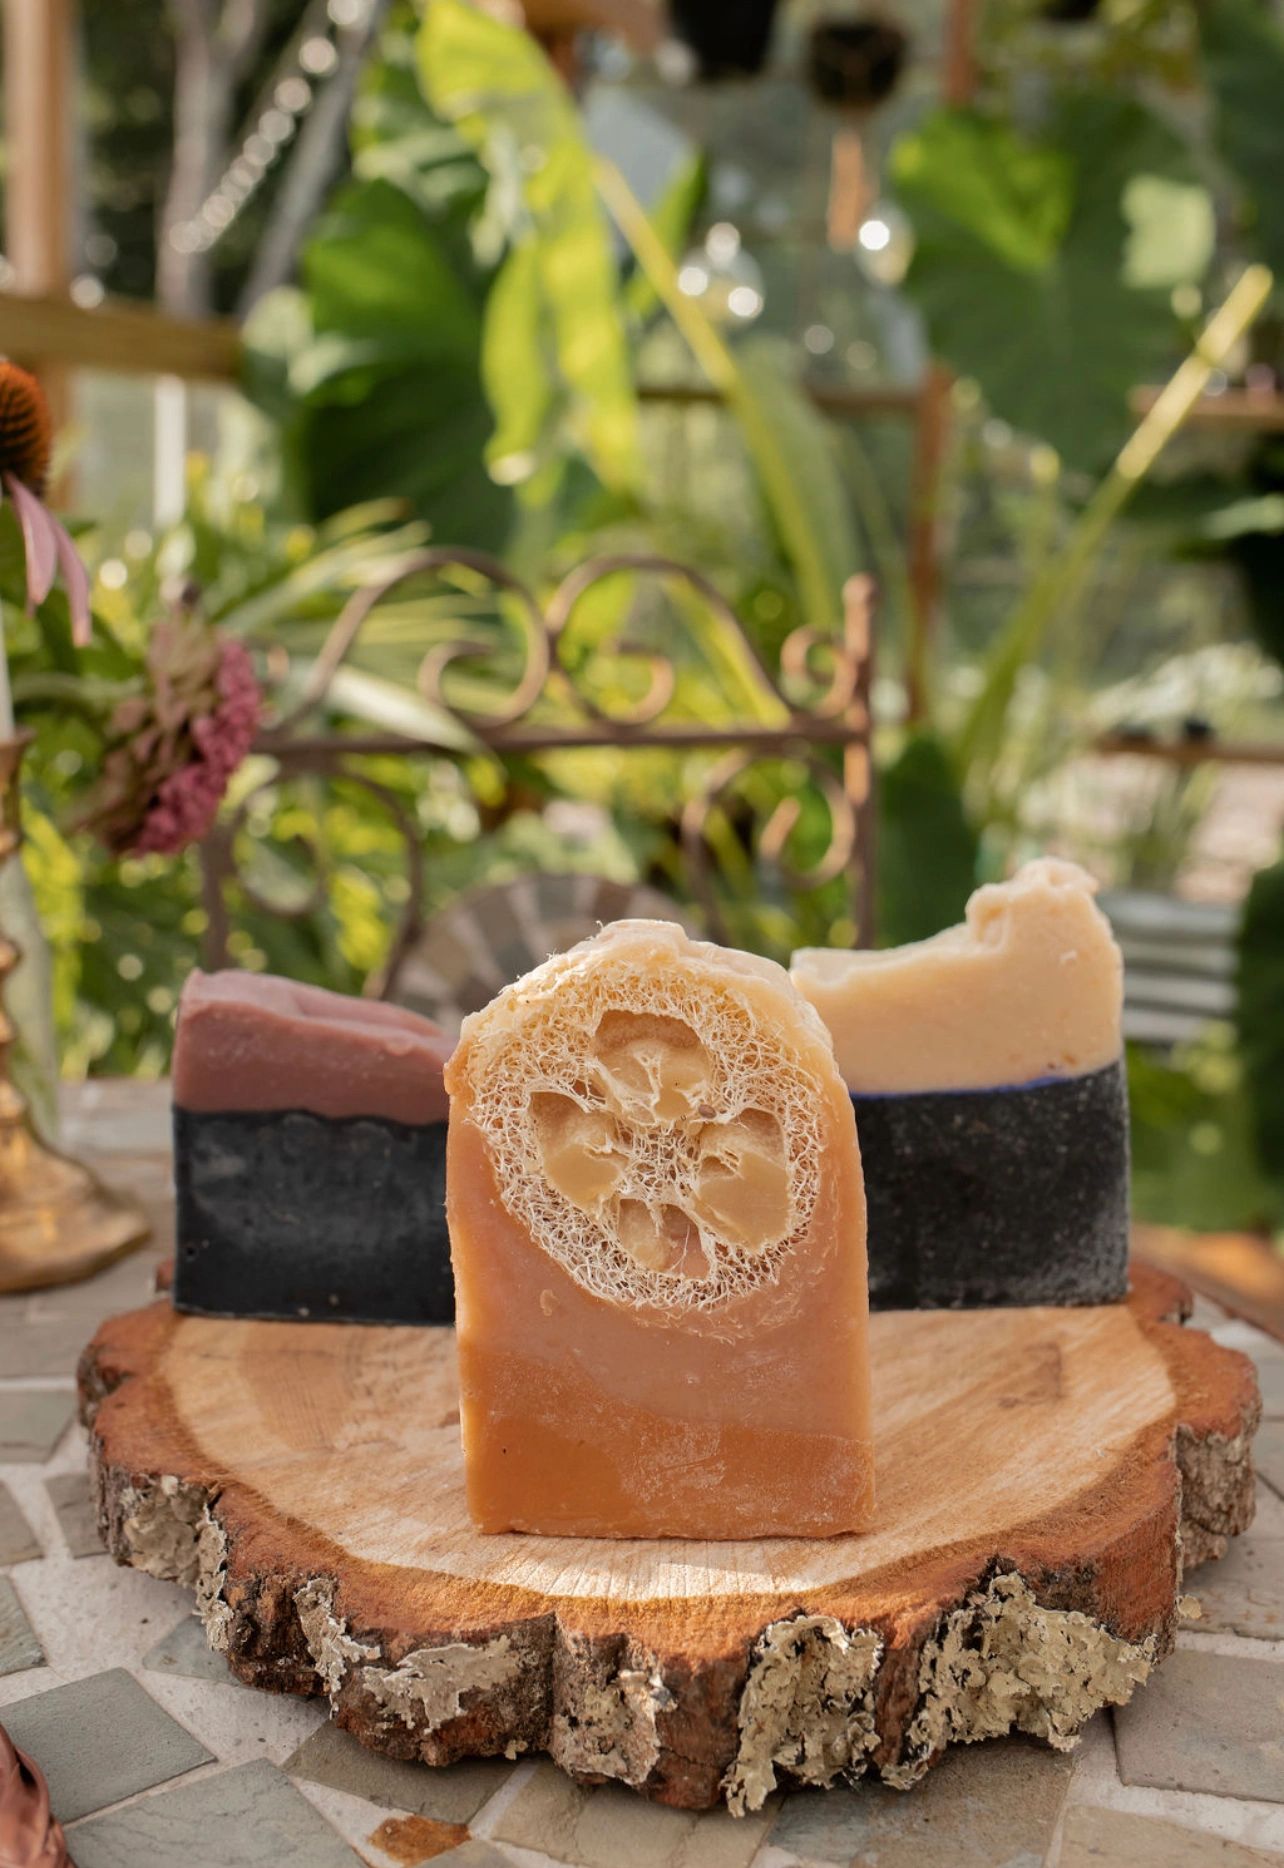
x=309, y=1155
x=986, y=1069
x=658, y=1233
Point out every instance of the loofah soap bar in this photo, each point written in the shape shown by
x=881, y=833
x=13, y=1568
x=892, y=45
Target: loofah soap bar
x=986, y=1069
x=658, y=1234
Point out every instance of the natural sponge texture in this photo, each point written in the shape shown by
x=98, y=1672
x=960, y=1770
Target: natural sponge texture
x=650, y=1127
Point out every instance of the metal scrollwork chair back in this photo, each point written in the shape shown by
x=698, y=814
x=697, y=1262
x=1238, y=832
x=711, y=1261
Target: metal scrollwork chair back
x=815, y=713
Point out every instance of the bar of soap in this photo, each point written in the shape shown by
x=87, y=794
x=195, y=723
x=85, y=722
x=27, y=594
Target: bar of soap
x=658, y=1232
x=986, y=1069
x=309, y=1155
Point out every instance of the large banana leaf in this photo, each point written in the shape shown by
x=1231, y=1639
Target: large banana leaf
x=492, y=81
x=1243, y=49
x=805, y=451
x=920, y=810
x=1043, y=269
x=376, y=369
x=789, y=446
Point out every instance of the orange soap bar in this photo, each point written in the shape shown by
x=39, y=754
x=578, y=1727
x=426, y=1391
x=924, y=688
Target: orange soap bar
x=657, y=1223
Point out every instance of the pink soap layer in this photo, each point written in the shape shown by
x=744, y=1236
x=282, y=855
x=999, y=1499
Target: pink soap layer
x=251, y=1041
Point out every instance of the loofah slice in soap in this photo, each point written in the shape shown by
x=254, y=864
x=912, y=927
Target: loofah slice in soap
x=658, y=1233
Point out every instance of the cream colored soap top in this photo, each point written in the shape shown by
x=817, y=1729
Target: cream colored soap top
x=1031, y=985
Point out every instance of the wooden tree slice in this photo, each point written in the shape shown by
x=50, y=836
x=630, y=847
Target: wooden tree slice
x=1044, y=1477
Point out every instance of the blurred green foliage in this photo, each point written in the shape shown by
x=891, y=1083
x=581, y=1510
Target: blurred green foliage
x=1044, y=263
x=1260, y=1019
x=1195, y=1160
x=458, y=363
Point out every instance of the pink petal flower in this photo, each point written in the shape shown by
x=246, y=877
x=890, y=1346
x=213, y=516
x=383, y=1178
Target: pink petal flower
x=76, y=579
x=39, y=538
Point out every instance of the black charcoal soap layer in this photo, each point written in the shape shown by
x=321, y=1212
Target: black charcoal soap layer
x=290, y=1215
x=1016, y=1195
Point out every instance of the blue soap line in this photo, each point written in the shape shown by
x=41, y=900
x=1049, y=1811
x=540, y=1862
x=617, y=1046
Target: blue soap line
x=976, y=1089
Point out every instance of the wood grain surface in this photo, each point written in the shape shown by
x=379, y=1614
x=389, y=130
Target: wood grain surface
x=1044, y=1477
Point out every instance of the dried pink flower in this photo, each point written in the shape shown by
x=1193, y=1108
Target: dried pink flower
x=173, y=749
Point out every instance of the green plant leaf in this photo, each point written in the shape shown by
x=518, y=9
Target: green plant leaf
x=492, y=81
x=517, y=371
x=927, y=849
x=374, y=275
x=819, y=562
x=1193, y=1159
x=375, y=369
x=1171, y=231
x=1260, y=1014
x=396, y=138
x=806, y=451
x=1243, y=50
x=672, y=217
x=393, y=708
x=1025, y=253
x=975, y=179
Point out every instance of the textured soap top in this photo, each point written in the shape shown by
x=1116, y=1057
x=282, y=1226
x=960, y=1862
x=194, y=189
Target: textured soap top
x=653, y=1107
x=251, y=1041
x=1029, y=986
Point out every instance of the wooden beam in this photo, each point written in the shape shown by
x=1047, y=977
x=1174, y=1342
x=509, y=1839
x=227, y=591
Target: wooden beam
x=1255, y=411
x=39, y=43
x=835, y=399
x=1190, y=752
x=1252, y=410
x=122, y=336
x=38, y=40
x=116, y=336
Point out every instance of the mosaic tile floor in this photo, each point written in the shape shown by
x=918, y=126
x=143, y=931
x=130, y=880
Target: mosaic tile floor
x=156, y=1756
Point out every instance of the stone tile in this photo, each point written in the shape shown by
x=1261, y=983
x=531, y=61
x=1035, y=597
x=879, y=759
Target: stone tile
x=607, y=1827
x=1268, y=1454
x=184, y=1650
x=452, y=1794
x=995, y=1802
x=1243, y=1592
x=415, y=1839
x=478, y=1854
x=1209, y=1722
x=41, y=1345
x=18, y=1542
x=72, y=1499
x=101, y=1739
x=1117, y=1839
x=1205, y=1315
x=109, y=1115
x=1270, y=1379
x=1268, y=1518
x=123, y=1286
x=32, y=1421
x=19, y=1648
x=248, y=1817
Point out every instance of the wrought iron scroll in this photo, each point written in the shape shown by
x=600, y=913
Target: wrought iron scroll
x=835, y=714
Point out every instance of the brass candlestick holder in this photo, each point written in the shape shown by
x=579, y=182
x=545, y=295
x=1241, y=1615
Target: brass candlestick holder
x=58, y=1223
